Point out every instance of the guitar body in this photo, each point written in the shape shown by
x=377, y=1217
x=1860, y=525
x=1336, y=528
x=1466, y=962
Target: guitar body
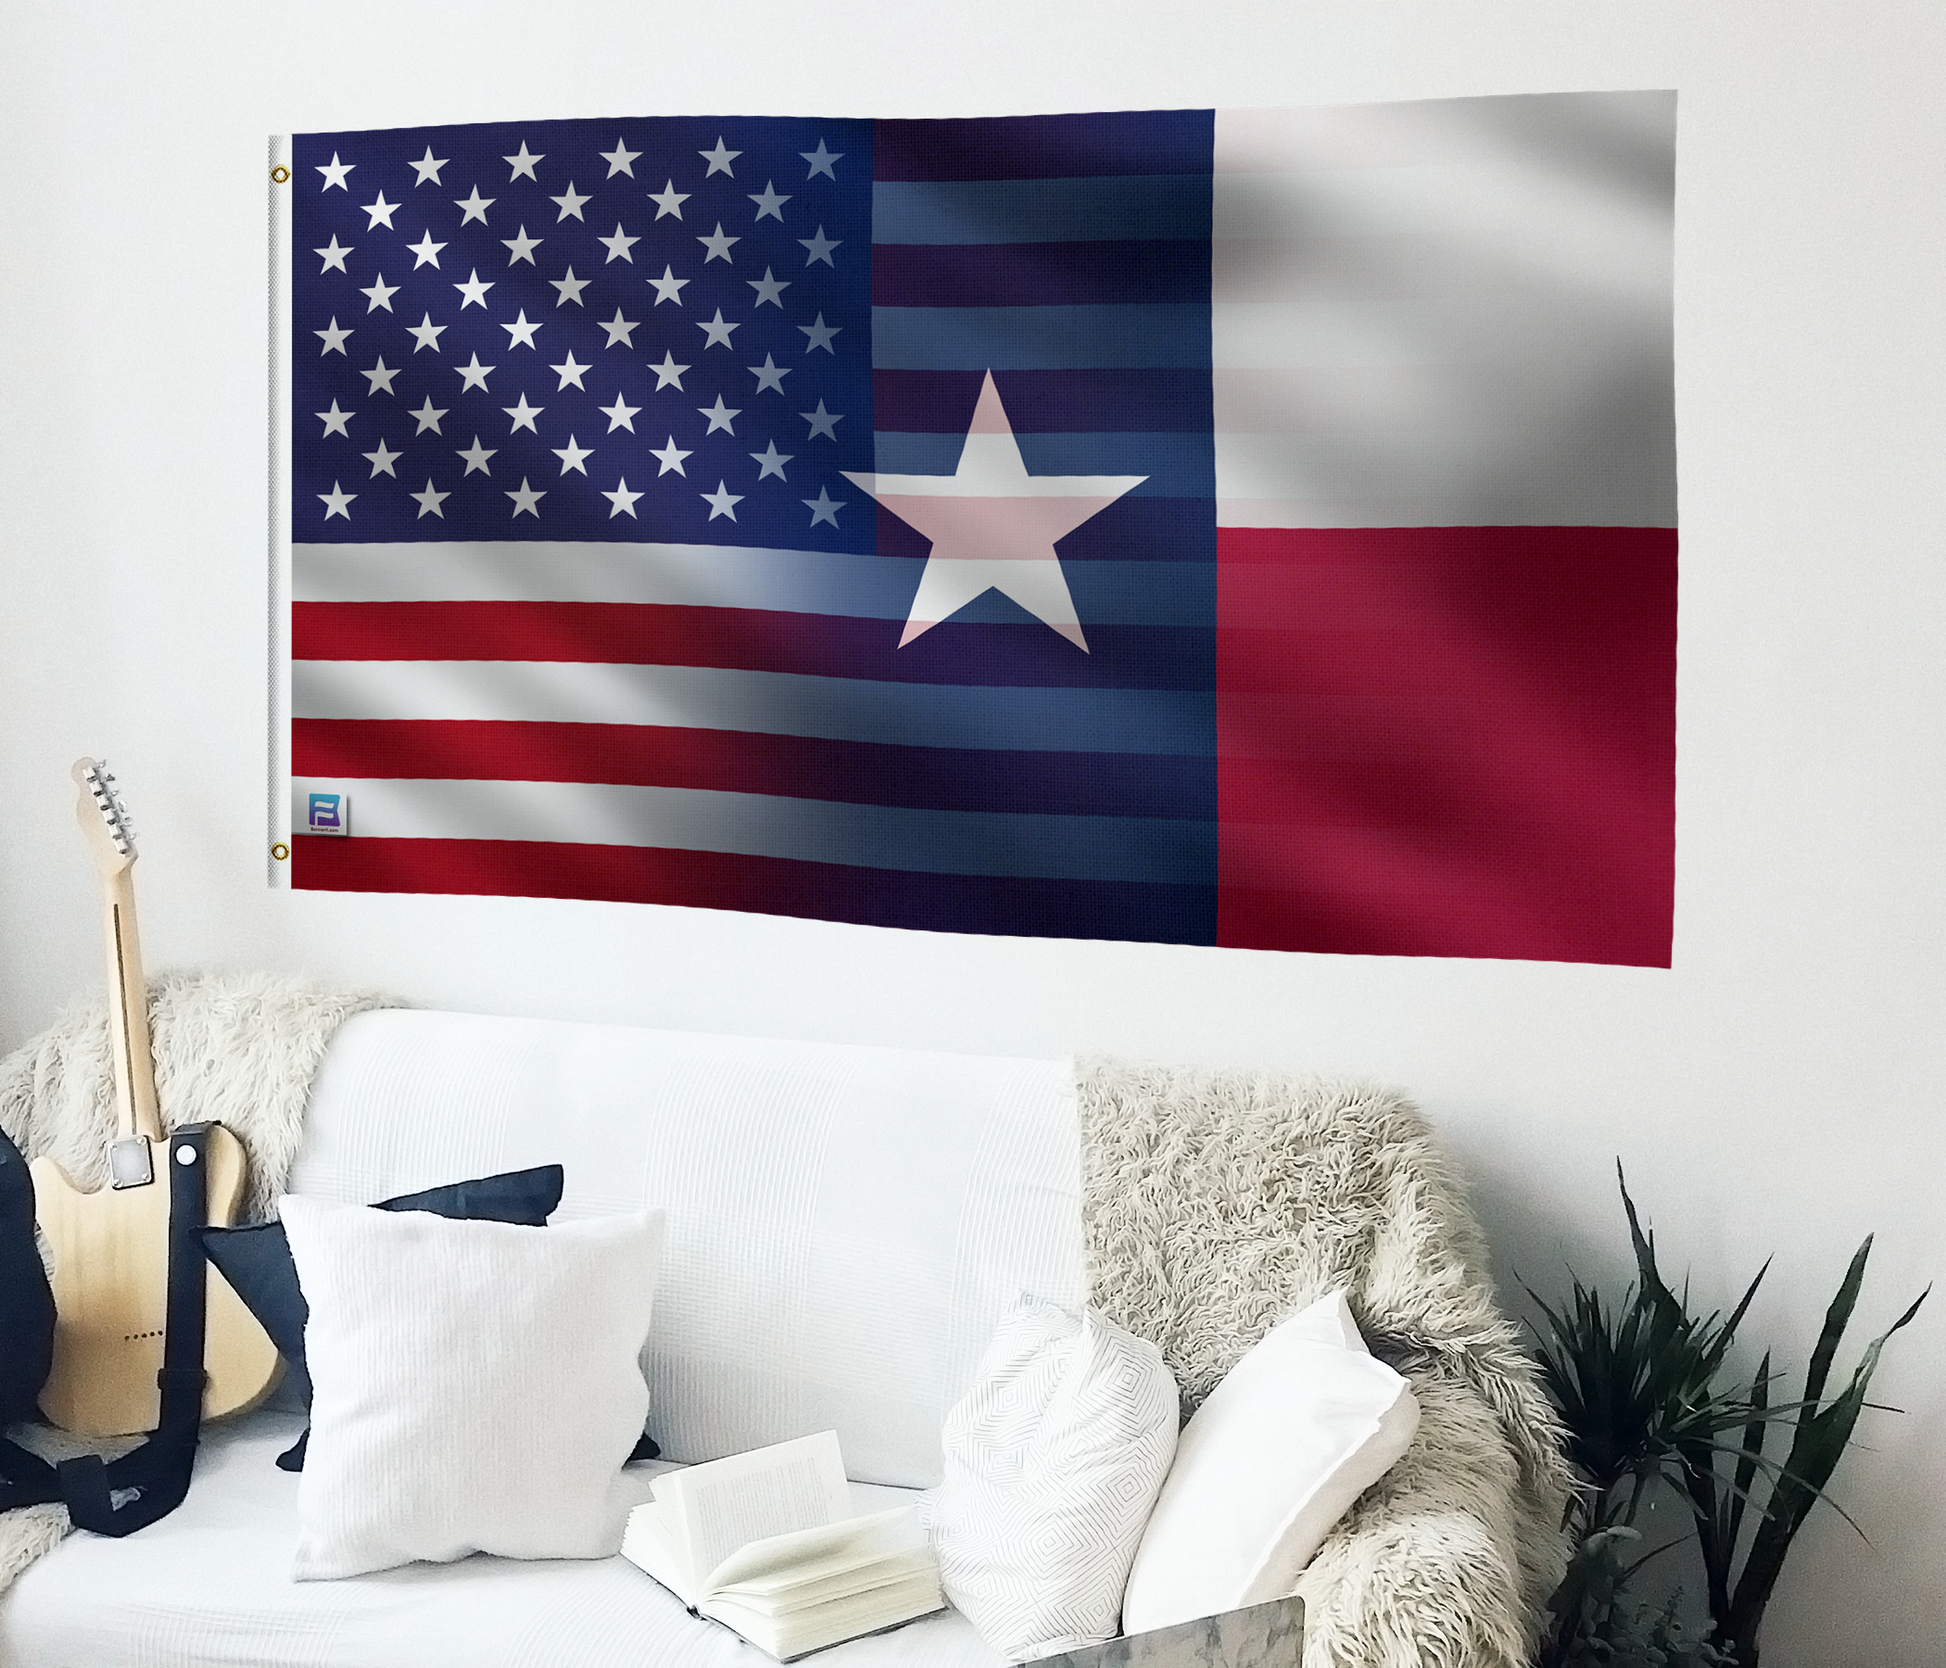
x=111, y=1296
x=110, y=1249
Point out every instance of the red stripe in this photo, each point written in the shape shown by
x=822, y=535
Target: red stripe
x=734, y=761
x=1448, y=741
x=749, y=639
x=766, y=885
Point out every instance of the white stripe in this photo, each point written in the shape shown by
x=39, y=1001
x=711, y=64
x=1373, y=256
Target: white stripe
x=693, y=575
x=764, y=825
x=773, y=703
x=1449, y=313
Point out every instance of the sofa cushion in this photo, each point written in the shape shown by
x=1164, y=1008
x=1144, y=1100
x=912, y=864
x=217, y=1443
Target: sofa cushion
x=846, y=1224
x=211, y=1584
x=476, y=1386
x=1053, y=1460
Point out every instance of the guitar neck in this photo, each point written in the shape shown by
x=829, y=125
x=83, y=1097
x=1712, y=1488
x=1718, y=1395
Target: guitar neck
x=128, y=1011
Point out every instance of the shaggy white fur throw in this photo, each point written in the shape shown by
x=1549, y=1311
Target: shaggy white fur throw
x=239, y=1049
x=1214, y=1203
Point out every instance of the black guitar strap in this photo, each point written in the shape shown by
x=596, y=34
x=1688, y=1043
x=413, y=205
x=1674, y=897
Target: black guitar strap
x=117, y=1497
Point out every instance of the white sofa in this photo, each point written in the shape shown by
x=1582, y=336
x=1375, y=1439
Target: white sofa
x=845, y=1227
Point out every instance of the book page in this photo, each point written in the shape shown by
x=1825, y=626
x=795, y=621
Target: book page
x=774, y=1564
x=652, y=1542
x=725, y=1504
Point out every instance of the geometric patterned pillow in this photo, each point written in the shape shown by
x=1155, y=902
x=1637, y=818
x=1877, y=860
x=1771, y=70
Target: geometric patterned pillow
x=1053, y=1461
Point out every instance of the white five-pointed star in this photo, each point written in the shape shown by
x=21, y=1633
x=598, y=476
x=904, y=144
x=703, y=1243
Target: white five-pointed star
x=521, y=248
x=473, y=375
x=332, y=337
x=571, y=455
x=475, y=206
x=381, y=294
x=381, y=213
x=619, y=330
x=993, y=526
x=429, y=415
x=717, y=244
x=426, y=251
x=669, y=200
x=822, y=422
x=618, y=159
x=523, y=415
x=476, y=456
x=820, y=248
x=337, y=501
x=819, y=335
x=720, y=416
x=770, y=461
x=670, y=457
x=620, y=415
x=668, y=287
x=619, y=245
x=528, y=498
x=428, y=167
x=570, y=288
x=335, y=420
x=473, y=291
x=569, y=203
x=522, y=162
x=668, y=374
x=716, y=333
x=425, y=332
x=621, y=498
x=770, y=201
x=379, y=377
x=383, y=459
x=334, y=254
x=719, y=160
x=820, y=161
x=521, y=332
x=570, y=370
x=769, y=289
x=334, y=173
x=824, y=507
x=430, y=500
x=722, y=501
x=769, y=374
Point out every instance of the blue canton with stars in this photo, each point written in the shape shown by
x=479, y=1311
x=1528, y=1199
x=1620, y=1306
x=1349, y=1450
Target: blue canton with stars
x=647, y=330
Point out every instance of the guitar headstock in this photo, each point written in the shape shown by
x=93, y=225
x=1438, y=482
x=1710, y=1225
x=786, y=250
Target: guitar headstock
x=104, y=818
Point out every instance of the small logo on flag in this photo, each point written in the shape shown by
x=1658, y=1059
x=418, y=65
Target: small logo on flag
x=328, y=813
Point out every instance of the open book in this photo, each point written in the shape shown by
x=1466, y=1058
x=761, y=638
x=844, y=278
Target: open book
x=764, y=1543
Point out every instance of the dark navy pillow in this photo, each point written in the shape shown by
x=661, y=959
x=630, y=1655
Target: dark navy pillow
x=258, y=1264
x=26, y=1332
x=26, y=1303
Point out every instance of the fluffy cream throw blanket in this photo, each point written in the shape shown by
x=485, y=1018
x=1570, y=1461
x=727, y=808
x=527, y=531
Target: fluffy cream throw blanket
x=238, y=1049
x=1215, y=1202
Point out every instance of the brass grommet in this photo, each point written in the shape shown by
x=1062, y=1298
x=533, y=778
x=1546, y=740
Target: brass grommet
x=281, y=174
x=281, y=852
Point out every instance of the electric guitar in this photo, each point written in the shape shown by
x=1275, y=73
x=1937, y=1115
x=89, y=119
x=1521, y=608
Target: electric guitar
x=111, y=1248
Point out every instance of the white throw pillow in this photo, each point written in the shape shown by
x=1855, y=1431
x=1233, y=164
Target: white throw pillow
x=1297, y=1430
x=476, y=1385
x=1053, y=1460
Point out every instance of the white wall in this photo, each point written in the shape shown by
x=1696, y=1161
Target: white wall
x=1777, y=1090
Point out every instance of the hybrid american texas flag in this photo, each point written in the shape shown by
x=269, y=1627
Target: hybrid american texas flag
x=1241, y=528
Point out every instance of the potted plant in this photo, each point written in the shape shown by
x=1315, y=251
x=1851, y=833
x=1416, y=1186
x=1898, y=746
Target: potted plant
x=1649, y=1398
